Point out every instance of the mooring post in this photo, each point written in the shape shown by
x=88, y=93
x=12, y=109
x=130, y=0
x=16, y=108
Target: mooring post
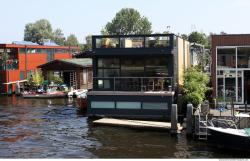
x=189, y=116
x=245, y=106
x=174, y=119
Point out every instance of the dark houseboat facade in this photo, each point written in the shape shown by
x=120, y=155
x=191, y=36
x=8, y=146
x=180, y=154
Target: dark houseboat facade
x=137, y=76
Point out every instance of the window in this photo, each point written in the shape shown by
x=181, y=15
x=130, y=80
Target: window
x=128, y=105
x=108, y=63
x=107, y=43
x=156, y=67
x=226, y=58
x=21, y=75
x=102, y=104
x=132, y=42
x=155, y=105
x=131, y=67
x=22, y=50
x=243, y=57
x=157, y=41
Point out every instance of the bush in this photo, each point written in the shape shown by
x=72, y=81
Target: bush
x=195, y=86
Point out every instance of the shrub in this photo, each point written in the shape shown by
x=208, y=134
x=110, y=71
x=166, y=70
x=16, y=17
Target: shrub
x=195, y=86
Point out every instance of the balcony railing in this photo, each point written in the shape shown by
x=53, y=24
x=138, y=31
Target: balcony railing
x=132, y=41
x=133, y=83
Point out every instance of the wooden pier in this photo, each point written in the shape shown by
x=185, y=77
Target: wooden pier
x=136, y=124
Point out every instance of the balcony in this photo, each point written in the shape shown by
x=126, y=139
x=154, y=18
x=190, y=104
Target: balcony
x=133, y=84
x=132, y=44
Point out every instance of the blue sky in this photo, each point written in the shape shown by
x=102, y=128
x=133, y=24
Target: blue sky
x=84, y=17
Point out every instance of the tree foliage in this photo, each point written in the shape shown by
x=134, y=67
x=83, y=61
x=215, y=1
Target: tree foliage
x=38, y=31
x=197, y=37
x=71, y=40
x=42, y=29
x=58, y=37
x=128, y=21
x=36, y=79
x=195, y=86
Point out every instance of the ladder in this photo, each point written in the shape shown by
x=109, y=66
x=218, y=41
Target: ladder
x=202, y=128
x=72, y=81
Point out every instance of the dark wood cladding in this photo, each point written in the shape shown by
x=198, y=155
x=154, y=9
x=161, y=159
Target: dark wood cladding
x=225, y=40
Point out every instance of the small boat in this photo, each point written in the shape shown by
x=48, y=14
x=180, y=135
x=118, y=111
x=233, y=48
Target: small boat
x=230, y=137
x=77, y=92
x=45, y=95
x=82, y=101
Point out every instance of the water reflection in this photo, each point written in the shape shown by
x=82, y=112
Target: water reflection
x=53, y=128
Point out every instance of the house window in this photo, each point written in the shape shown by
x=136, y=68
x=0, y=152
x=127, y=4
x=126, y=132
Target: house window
x=243, y=57
x=226, y=58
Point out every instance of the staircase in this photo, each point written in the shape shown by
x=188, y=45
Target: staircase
x=202, y=128
x=72, y=81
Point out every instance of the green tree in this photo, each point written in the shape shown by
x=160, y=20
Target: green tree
x=184, y=36
x=128, y=21
x=195, y=85
x=58, y=37
x=197, y=37
x=71, y=40
x=38, y=31
x=38, y=77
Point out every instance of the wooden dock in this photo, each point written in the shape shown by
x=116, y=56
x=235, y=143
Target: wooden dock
x=136, y=124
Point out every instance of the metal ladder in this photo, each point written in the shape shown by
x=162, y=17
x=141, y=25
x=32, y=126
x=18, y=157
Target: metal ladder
x=73, y=79
x=202, y=127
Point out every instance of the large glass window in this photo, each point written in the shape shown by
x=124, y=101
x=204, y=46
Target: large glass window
x=107, y=43
x=243, y=57
x=132, y=67
x=226, y=58
x=157, y=41
x=226, y=86
x=133, y=42
x=230, y=87
x=156, y=67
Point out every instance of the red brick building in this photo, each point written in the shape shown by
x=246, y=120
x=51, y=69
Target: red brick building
x=18, y=61
x=231, y=68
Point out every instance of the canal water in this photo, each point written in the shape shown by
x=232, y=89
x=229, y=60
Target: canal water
x=40, y=128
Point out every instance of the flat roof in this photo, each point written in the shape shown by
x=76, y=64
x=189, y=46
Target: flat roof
x=81, y=62
x=37, y=46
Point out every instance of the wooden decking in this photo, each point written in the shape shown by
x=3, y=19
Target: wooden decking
x=136, y=124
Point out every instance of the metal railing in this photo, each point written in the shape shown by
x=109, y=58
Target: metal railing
x=132, y=83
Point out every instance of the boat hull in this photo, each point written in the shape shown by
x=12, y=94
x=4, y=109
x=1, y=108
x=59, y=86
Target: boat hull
x=82, y=103
x=229, y=140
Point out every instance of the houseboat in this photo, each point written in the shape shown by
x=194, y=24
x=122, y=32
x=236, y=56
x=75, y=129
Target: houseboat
x=19, y=60
x=136, y=76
